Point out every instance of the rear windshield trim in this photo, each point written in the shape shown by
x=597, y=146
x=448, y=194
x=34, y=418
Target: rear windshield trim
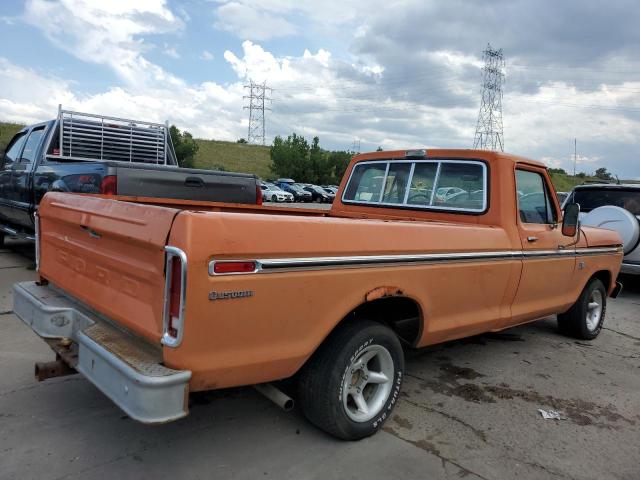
x=406, y=206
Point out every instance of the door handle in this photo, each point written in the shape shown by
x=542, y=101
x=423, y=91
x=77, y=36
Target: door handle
x=532, y=239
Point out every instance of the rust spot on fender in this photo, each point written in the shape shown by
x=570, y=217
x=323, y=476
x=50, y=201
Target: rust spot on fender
x=382, y=292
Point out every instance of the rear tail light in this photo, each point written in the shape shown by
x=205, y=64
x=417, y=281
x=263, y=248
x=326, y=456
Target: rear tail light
x=258, y=194
x=174, y=299
x=109, y=185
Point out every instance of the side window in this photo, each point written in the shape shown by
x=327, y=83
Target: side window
x=11, y=155
x=533, y=198
x=366, y=182
x=31, y=146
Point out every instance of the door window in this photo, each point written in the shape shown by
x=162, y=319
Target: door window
x=31, y=146
x=14, y=149
x=534, y=203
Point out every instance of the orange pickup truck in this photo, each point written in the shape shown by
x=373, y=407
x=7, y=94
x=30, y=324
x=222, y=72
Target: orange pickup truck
x=152, y=299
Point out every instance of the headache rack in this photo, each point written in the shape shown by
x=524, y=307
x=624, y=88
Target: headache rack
x=85, y=136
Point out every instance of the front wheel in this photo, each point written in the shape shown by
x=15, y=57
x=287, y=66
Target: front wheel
x=585, y=318
x=351, y=384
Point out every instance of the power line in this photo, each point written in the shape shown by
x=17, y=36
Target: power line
x=489, y=131
x=257, y=97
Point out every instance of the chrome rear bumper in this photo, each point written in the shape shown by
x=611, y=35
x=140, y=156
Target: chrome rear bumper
x=125, y=368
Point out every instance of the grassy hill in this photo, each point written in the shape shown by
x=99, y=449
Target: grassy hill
x=234, y=157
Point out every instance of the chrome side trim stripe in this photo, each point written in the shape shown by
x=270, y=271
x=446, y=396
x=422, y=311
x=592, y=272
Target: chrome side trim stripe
x=270, y=265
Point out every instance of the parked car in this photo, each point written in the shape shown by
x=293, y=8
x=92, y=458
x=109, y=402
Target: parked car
x=562, y=196
x=202, y=309
x=273, y=193
x=298, y=192
x=616, y=207
x=86, y=153
x=330, y=188
x=331, y=193
x=319, y=194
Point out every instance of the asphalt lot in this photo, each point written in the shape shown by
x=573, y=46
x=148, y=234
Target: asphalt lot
x=469, y=410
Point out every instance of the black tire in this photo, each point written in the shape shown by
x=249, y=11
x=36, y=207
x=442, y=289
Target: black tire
x=574, y=322
x=274, y=198
x=2, y=235
x=320, y=383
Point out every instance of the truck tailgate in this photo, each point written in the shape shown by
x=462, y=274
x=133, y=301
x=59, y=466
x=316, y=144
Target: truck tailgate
x=109, y=255
x=162, y=181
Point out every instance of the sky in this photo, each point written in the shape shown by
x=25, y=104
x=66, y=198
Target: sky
x=388, y=73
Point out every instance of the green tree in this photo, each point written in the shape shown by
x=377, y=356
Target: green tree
x=290, y=157
x=185, y=147
x=379, y=149
x=558, y=170
x=294, y=158
x=241, y=140
x=339, y=162
x=603, y=174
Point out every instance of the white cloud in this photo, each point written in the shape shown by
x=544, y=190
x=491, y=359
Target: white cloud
x=252, y=23
x=110, y=33
x=390, y=85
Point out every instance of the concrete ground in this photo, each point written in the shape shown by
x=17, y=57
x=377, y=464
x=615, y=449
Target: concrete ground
x=469, y=410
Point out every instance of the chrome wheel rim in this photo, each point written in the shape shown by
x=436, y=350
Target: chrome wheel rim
x=367, y=383
x=594, y=310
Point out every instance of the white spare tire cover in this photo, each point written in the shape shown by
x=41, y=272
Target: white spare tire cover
x=618, y=219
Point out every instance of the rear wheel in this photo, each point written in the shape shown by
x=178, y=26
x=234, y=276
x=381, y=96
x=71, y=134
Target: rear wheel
x=585, y=318
x=274, y=198
x=2, y=240
x=351, y=384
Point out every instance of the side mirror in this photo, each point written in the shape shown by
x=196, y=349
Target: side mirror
x=571, y=221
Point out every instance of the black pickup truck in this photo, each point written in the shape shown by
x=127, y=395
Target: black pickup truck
x=85, y=153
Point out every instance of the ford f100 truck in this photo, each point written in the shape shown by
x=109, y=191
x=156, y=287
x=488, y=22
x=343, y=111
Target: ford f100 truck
x=154, y=299
x=85, y=153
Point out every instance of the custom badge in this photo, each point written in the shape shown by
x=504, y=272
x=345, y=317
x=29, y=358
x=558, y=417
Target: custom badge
x=229, y=295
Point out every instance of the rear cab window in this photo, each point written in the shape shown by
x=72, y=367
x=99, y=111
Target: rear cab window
x=439, y=184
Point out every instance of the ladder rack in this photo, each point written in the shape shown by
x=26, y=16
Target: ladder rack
x=85, y=136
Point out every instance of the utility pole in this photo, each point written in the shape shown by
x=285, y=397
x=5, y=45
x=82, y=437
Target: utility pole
x=575, y=156
x=489, y=131
x=258, y=95
x=356, y=145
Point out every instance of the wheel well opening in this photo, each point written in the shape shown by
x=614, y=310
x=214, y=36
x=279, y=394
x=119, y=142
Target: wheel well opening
x=401, y=314
x=605, y=277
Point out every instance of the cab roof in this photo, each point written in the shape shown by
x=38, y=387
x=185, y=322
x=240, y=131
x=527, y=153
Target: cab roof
x=427, y=153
